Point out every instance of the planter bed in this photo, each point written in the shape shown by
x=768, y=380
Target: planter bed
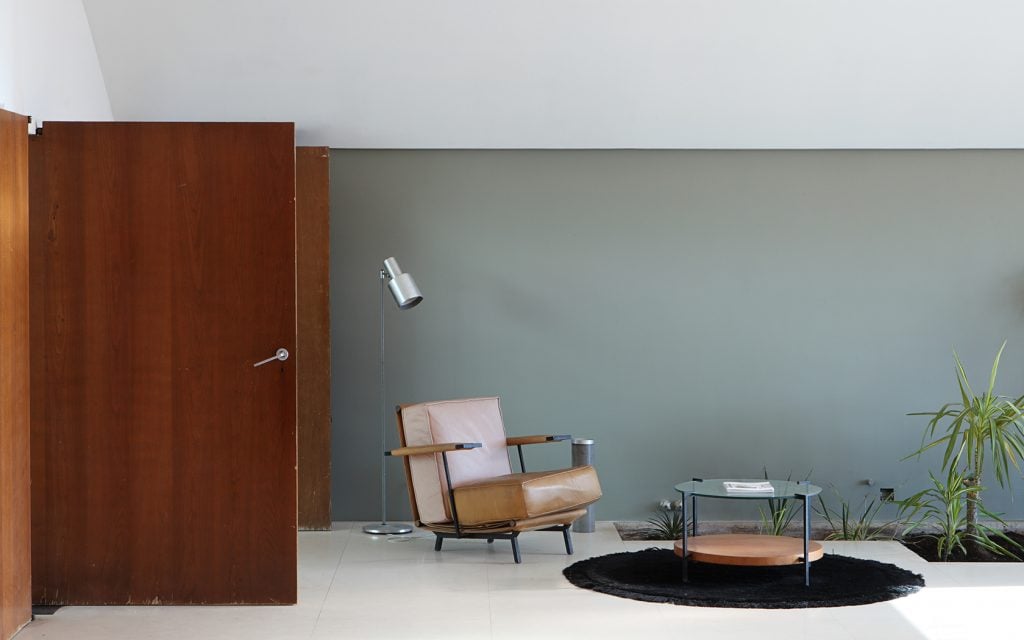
x=922, y=545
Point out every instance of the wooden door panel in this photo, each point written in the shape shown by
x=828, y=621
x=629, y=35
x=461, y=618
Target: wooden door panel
x=164, y=463
x=15, y=565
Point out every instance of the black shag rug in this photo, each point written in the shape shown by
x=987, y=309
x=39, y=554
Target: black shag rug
x=655, y=575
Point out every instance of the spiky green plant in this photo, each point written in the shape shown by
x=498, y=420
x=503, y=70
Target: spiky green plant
x=863, y=524
x=667, y=522
x=977, y=429
x=779, y=513
x=943, y=509
x=777, y=517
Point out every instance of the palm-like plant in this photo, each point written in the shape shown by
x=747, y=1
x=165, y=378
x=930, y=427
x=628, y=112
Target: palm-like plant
x=942, y=506
x=977, y=428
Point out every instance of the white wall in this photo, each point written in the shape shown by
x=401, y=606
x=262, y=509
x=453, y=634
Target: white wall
x=6, y=53
x=578, y=73
x=48, y=64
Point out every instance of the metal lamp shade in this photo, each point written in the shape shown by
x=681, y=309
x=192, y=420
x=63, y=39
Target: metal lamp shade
x=405, y=292
x=403, y=288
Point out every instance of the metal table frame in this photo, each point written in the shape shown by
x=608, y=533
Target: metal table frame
x=693, y=498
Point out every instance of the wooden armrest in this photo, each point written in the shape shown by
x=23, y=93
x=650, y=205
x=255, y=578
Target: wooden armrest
x=433, y=448
x=520, y=440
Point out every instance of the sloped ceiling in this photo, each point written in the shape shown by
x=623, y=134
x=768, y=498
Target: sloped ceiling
x=577, y=73
x=48, y=65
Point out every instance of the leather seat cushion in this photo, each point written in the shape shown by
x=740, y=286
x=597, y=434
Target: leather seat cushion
x=519, y=496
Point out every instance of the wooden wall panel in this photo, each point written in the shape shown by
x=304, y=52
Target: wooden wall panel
x=312, y=228
x=15, y=563
x=163, y=267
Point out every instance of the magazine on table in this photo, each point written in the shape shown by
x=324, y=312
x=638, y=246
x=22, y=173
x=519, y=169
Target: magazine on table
x=748, y=487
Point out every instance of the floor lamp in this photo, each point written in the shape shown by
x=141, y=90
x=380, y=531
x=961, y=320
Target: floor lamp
x=407, y=295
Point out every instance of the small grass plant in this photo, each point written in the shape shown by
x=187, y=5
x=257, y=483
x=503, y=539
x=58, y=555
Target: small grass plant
x=667, y=523
x=866, y=522
x=779, y=514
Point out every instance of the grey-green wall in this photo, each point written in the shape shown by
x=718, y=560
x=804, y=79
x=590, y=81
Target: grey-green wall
x=698, y=313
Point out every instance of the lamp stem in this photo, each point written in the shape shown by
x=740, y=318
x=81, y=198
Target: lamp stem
x=383, y=411
x=384, y=528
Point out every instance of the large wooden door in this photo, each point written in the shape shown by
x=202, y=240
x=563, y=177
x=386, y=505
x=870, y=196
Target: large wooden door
x=163, y=268
x=15, y=578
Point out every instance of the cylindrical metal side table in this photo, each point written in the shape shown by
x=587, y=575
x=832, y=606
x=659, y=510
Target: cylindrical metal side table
x=582, y=455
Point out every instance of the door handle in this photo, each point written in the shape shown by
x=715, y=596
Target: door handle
x=282, y=355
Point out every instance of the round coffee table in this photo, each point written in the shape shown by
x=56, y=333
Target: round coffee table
x=751, y=550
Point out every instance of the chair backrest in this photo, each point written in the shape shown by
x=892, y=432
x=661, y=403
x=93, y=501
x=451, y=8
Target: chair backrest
x=469, y=420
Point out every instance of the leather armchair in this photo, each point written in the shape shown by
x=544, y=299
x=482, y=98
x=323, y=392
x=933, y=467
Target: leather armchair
x=461, y=483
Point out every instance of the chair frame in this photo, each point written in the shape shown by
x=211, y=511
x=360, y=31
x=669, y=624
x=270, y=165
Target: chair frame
x=460, y=531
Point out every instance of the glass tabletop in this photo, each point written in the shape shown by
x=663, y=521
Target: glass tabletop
x=716, y=488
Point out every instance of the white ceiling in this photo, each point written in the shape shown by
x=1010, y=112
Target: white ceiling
x=577, y=73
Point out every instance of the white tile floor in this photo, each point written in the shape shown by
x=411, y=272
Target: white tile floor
x=352, y=585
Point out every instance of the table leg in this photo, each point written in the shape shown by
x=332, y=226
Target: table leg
x=693, y=506
x=693, y=509
x=682, y=506
x=807, y=539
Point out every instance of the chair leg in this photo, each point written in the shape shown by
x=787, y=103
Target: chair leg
x=438, y=542
x=568, y=540
x=515, y=548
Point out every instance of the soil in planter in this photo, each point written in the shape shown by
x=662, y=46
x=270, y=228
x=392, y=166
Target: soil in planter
x=927, y=549
x=637, y=531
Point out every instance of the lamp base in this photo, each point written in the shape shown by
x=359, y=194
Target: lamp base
x=387, y=529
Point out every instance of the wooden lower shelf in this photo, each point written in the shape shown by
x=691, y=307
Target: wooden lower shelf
x=749, y=550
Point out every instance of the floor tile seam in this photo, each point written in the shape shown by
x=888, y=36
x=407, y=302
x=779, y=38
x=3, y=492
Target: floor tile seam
x=330, y=586
x=490, y=606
